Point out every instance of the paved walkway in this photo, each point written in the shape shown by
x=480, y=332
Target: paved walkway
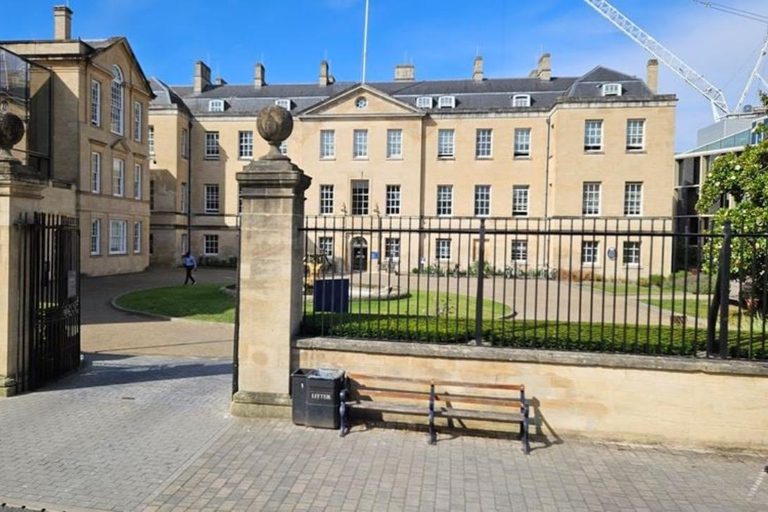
x=152, y=433
x=109, y=331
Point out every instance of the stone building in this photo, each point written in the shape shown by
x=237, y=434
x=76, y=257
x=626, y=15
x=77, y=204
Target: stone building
x=96, y=159
x=409, y=148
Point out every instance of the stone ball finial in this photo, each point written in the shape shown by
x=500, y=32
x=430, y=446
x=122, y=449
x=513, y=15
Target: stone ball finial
x=11, y=132
x=274, y=124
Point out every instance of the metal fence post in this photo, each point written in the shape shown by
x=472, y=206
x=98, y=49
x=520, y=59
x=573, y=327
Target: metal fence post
x=725, y=288
x=480, y=279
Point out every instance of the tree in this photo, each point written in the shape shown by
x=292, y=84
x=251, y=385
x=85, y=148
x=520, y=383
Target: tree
x=742, y=178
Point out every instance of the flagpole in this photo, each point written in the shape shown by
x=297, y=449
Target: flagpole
x=365, y=40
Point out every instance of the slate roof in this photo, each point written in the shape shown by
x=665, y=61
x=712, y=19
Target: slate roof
x=490, y=95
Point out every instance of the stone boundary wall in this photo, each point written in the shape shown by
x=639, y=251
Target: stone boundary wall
x=677, y=401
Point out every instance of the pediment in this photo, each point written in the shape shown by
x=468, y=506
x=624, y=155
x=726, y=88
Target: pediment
x=374, y=103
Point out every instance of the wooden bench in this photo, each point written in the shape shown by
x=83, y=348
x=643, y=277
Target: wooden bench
x=432, y=399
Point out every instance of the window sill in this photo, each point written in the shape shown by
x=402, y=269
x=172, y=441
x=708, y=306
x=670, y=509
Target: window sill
x=214, y=158
x=447, y=158
x=211, y=213
x=594, y=152
x=210, y=254
x=245, y=158
x=481, y=158
x=394, y=159
x=522, y=157
x=95, y=255
x=327, y=158
x=118, y=195
x=360, y=158
x=636, y=151
x=520, y=215
x=118, y=253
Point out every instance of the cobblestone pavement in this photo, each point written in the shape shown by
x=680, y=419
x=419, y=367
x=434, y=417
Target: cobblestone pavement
x=153, y=433
x=106, y=330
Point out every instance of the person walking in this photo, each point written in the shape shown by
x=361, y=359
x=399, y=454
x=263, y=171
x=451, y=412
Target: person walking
x=190, y=264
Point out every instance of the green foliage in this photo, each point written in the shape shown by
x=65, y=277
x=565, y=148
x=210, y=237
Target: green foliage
x=213, y=261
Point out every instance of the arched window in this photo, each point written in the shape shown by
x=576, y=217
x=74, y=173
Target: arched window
x=116, y=110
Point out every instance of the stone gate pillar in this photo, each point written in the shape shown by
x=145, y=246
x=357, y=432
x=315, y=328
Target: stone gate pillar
x=270, y=272
x=20, y=192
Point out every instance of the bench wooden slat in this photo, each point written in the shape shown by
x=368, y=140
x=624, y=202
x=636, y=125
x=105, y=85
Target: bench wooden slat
x=421, y=410
x=509, y=387
x=467, y=414
x=361, y=376
x=479, y=400
x=389, y=393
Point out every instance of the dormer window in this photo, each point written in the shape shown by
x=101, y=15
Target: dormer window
x=446, y=102
x=216, y=106
x=611, y=89
x=286, y=104
x=521, y=100
x=424, y=102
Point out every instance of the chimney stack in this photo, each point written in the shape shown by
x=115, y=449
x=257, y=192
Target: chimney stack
x=202, y=76
x=477, y=71
x=325, y=75
x=405, y=73
x=653, y=76
x=544, y=71
x=62, y=23
x=220, y=81
x=259, y=80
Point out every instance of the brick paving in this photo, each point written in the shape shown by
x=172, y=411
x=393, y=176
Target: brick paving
x=153, y=433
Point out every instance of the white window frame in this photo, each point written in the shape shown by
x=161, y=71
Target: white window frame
x=119, y=235
x=591, y=199
x=444, y=205
x=446, y=143
x=212, y=150
x=184, y=243
x=96, y=172
x=95, y=103
x=522, y=143
x=138, y=180
x=216, y=106
x=245, y=144
x=360, y=201
x=482, y=200
x=443, y=249
x=484, y=143
x=184, y=197
x=392, y=245
x=593, y=135
x=360, y=144
x=635, y=135
x=446, y=102
x=634, y=251
x=325, y=244
x=184, y=143
x=151, y=139
x=393, y=200
x=395, y=144
x=326, y=199
x=211, y=197
x=591, y=247
x=521, y=195
x=283, y=102
x=95, y=237
x=137, y=234
x=208, y=241
x=424, y=102
x=521, y=100
x=117, y=102
x=284, y=148
x=612, y=89
x=633, y=199
x=327, y=144
x=138, y=120
x=118, y=177
x=518, y=252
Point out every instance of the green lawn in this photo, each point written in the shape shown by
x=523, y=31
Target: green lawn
x=201, y=302
x=689, y=307
x=424, y=304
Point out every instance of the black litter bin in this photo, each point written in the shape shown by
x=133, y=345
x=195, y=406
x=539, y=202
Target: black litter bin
x=322, y=398
x=299, y=395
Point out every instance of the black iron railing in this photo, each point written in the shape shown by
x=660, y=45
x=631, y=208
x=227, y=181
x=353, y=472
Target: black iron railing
x=621, y=285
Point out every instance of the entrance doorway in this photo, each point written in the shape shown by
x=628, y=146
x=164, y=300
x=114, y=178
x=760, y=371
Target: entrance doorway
x=359, y=254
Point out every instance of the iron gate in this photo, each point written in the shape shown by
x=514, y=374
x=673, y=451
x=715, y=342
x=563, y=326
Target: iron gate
x=49, y=305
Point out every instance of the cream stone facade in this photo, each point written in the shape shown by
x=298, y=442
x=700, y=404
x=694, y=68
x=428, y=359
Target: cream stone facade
x=542, y=139
x=99, y=152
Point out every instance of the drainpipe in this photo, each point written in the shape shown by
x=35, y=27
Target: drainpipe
x=546, y=194
x=189, y=187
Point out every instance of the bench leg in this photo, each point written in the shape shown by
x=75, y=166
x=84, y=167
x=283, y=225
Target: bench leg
x=525, y=424
x=432, y=435
x=343, y=413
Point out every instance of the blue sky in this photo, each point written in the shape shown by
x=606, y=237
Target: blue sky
x=440, y=37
